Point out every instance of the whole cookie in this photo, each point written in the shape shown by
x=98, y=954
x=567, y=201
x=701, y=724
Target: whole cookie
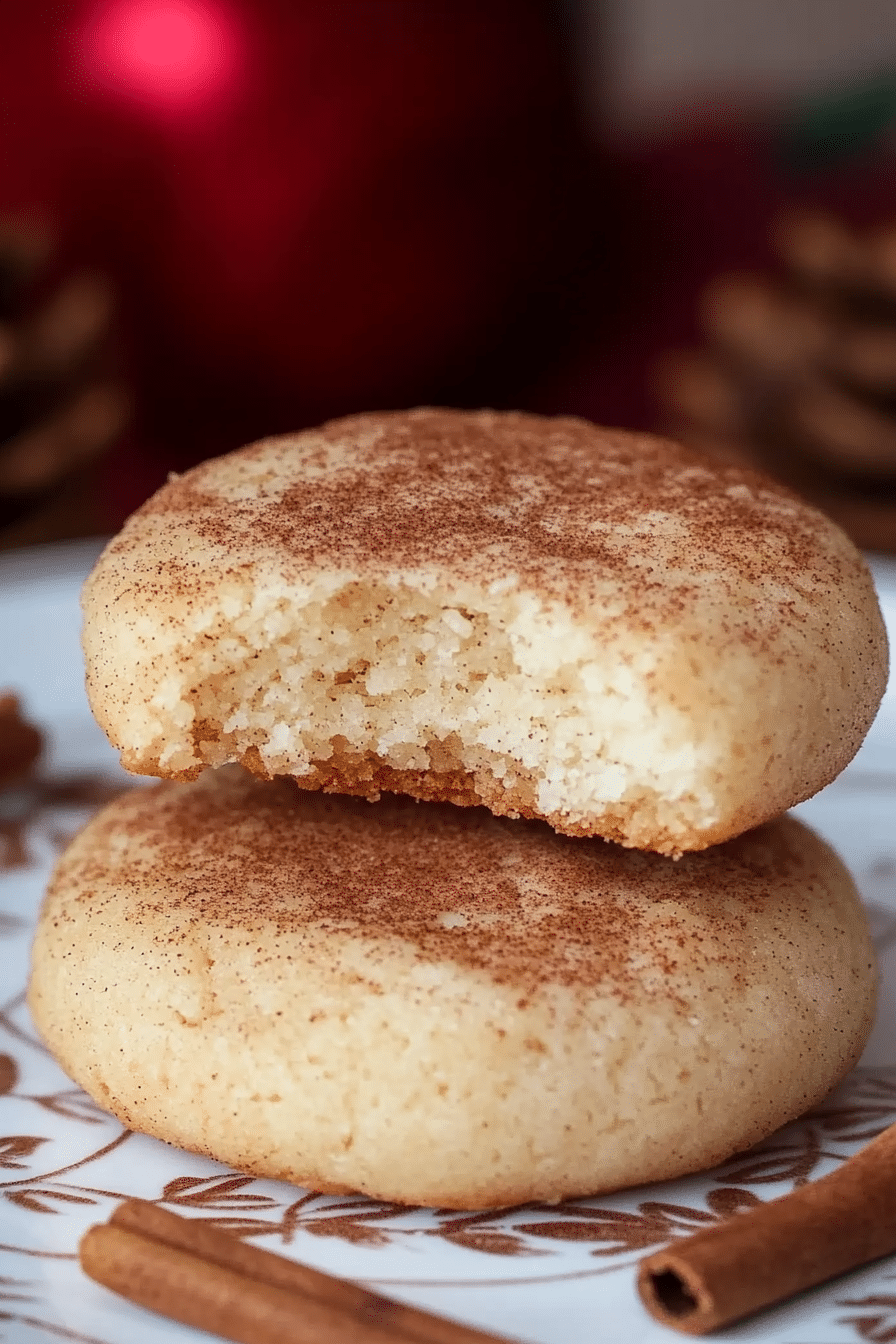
x=597, y=628
x=433, y=1005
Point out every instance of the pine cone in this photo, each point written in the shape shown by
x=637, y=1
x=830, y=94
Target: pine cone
x=799, y=374
x=62, y=403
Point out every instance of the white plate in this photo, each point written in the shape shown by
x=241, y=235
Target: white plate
x=536, y=1273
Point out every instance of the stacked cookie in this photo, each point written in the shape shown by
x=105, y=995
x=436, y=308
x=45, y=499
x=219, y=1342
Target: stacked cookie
x=560, y=940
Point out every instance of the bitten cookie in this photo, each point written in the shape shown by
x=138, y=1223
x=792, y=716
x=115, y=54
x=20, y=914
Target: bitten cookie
x=433, y=1005
x=597, y=628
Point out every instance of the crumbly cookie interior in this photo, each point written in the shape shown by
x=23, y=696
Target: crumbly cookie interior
x=496, y=687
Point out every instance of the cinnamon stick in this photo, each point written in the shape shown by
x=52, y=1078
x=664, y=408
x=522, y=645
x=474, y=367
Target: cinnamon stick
x=773, y=1252
x=203, y=1277
x=20, y=741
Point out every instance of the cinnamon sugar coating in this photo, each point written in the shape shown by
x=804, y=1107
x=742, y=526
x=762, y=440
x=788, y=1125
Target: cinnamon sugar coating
x=597, y=628
x=434, y=1005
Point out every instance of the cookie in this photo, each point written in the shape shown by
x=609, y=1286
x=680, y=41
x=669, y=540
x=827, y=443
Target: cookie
x=433, y=1005
x=600, y=629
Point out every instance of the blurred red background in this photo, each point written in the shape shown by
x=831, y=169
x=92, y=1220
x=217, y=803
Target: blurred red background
x=307, y=208
x=313, y=208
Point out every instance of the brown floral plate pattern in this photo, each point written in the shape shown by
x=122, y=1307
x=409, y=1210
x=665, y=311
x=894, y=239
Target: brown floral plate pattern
x=534, y=1273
